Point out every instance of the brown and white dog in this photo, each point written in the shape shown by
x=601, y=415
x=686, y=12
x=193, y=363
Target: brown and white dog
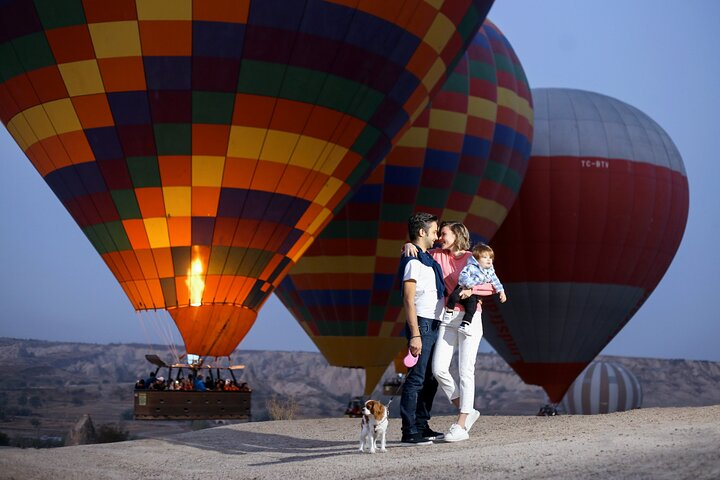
x=373, y=426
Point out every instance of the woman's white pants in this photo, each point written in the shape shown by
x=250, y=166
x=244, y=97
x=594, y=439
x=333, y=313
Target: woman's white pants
x=449, y=340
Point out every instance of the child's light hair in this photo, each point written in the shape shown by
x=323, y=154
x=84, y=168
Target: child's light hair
x=481, y=248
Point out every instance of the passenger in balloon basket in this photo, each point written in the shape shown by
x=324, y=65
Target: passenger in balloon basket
x=198, y=383
x=453, y=256
x=479, y=272
x=422, y=290
x=158, y=384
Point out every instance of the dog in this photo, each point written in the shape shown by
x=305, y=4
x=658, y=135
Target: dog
x=373, y=426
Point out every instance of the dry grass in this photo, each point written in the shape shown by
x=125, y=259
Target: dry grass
x=282, y=409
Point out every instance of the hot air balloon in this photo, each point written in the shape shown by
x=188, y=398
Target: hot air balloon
x=344, y=292
x=202, y=146
x=603, y=387
x=597, y=222
x=487, y=178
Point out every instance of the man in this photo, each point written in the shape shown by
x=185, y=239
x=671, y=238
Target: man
x=422, y=289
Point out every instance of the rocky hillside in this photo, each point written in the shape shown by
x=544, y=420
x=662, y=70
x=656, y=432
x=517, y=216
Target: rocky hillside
x=49, y=385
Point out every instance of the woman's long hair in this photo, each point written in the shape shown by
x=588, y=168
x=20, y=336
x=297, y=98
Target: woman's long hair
x=462, y=235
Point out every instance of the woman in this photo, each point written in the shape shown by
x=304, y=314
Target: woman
x=452, y=257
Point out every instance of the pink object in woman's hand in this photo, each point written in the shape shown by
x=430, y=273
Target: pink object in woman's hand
x=410, y=360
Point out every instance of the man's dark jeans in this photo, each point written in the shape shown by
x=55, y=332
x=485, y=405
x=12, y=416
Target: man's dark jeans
x=420, y=385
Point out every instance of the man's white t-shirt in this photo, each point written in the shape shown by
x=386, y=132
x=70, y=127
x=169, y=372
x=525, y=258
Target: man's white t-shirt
x=426, y=300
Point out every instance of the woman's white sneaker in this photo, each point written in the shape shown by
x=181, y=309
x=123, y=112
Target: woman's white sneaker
x=471, y=419
x=456, y=434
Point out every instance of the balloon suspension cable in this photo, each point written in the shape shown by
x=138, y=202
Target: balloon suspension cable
x=145, y=330
x=167, y=333
x=160, y=330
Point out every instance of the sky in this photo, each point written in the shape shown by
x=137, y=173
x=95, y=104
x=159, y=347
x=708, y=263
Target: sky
x=656, y=55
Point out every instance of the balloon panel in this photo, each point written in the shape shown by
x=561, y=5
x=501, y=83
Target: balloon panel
x=202, y=147
x=510, y=147
x=550, y=336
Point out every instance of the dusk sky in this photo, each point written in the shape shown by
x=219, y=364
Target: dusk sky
x=657, y=56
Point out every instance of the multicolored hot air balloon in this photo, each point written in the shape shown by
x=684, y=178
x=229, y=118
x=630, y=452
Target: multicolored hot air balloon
x=202, y=146
x=603, y=387
x=599, y=217
x=479, y=188
x=344, y=292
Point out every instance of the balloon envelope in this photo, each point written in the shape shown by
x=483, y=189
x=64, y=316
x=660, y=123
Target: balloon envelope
x=201, y=146
x=603, y=387
x=345, y=290
x=486, y=185
x=597, y=222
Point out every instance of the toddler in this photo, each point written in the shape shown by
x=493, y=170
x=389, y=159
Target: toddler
x=479, y=269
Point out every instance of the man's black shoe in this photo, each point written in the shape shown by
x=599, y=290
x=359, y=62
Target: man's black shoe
x=429, y=434
x=415, y=439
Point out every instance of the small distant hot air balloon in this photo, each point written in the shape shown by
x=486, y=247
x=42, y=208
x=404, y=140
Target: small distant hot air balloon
x=344, y=292
x=603, y=387
x=597, y=222
x=202, y=146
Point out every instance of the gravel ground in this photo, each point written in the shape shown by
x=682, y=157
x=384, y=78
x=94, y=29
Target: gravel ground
x=654, y=443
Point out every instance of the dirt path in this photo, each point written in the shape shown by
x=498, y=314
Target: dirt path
x=672, y=443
